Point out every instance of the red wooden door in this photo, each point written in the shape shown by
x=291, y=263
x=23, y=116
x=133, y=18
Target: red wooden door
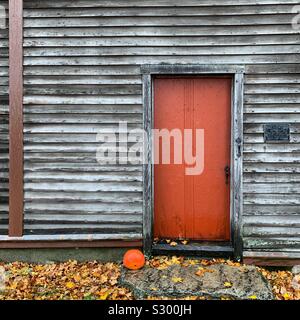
x=194, y=207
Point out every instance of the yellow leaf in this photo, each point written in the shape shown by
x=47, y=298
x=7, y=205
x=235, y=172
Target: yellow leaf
x=173, y=244
x=85, y=274
x=103, y=278
x=175, y=260
x=104, y=296
x=205, y=262
x=13, y=286
x=227, y=284
x=162, y=267
x=286, y=296
x=201, y=271
x=176, y=280
x=39, y=268
x=184, y=242
x=253, y=297
x=77, y=277
x=232, y=264
x=96, y=274
x=153, y=289
x=168, y=241
x=70, y=285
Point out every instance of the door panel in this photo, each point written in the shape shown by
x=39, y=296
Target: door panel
x=194, y=207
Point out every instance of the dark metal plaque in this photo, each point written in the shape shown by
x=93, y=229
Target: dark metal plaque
x=277, y=132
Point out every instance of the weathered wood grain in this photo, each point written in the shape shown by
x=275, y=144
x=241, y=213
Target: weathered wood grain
x=237, y=164
x=151, y=31
x=188, y=11
x=147, y=3
x=90, y=45
x=148, y=178
x=82, y=74
x=266, y=19
x=165, y=59
x=4, y=115
x=16, y=194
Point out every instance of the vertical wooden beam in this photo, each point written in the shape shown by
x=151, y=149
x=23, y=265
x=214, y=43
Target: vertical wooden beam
x=16, y=195
x=148, y=166
x=237, y=174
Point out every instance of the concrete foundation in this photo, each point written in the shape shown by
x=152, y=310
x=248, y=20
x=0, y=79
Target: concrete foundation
x=60, y=255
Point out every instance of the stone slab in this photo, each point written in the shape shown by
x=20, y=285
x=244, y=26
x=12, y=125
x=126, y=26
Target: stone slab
x=296, y=270
x=216, y=281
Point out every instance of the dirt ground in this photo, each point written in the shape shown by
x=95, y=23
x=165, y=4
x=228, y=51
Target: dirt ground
x=97, y=281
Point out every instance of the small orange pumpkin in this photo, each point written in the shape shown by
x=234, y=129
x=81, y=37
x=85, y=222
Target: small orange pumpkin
x=134, y=259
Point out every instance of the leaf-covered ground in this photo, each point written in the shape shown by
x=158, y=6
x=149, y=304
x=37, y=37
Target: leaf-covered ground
x=94, y=280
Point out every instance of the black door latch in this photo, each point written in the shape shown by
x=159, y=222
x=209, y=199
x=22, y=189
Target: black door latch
x=227, y=174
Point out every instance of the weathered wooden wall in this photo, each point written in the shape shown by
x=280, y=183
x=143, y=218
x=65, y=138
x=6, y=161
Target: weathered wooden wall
x=69, y=97
x=82, y=74
x=4, y=125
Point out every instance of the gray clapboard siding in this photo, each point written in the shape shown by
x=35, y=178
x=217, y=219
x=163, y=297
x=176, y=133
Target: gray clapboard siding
x=114, y=230
x=271, y=148
x=258, y=128
x=38, y=46
x=259, y=138
x=161, y=51
x=272, y=79
x=74, y=167
x=82, y=70
x=178, y=20
x=158, y=12
x=88, y=99
x=4, y=126
x=151, y=31
x=90, y=208
x=82, y=109
x=286, y=108
x=82, y=74
x=272, y=209
x=77, y=196
x=104, y=90
x=83, y=118
x=148, y=3
x=272, y=178
x=273, y=244
x=165, y=59
x=80, y=80
x=260, y=168
x=81, y=148
x=78, y=128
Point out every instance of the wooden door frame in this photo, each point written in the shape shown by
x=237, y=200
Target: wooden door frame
x=236, y=192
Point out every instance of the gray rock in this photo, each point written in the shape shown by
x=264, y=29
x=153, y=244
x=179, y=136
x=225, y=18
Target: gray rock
x=2, y=279
x=242, y=282
x=296, y=269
